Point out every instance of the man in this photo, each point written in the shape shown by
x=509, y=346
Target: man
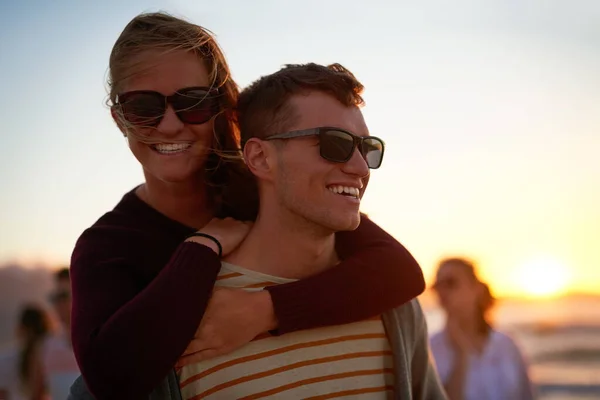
x=307, y=143
x=59, y=362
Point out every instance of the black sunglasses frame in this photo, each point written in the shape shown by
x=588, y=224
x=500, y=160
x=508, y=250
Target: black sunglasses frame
x=211, y=95
x=358, y=141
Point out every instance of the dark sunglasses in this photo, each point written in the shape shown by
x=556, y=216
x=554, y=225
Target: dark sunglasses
x=337, y=145
x=193, y=105
x=448, y=283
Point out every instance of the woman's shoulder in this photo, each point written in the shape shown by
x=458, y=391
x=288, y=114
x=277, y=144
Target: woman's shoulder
x=503, y=343
x=130, y=217
x=438, y=337
x=439, y=344
x=115, y=231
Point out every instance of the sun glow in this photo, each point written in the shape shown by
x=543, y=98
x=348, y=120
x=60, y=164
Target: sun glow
x=543, y=277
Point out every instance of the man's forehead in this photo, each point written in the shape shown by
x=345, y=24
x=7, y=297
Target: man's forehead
x=316, y=109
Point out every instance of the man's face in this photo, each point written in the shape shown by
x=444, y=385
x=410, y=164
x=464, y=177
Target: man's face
x=311, y=187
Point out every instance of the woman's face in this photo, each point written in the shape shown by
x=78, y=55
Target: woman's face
x=457, y=291
x=183, y=148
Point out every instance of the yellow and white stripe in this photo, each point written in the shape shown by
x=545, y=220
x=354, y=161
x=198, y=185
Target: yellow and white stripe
x=349, y=361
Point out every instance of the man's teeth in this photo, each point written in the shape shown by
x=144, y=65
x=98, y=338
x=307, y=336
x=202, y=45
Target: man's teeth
x=167, y=148
x=352, y=191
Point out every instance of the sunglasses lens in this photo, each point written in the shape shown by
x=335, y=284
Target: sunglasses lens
x=336, y=146
x=372, y=150
x=143, y=109
x=195, y=106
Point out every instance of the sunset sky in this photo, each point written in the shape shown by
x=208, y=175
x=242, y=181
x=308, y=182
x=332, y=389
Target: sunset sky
x=490, y=111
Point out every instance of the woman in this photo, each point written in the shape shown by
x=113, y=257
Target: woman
x=21, y=372
x=172, y=96
x=474, y=361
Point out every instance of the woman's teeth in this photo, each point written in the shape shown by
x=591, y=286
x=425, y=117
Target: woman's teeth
x=171, y=148
x=345, y=190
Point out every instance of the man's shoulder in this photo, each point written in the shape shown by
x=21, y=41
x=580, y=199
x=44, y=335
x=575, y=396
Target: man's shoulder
x=407, y=320
x=410, y=311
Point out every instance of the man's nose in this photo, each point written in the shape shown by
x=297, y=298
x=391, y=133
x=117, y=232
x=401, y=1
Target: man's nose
x=356, y=165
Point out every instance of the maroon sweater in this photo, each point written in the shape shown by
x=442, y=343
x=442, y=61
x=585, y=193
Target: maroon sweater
x=131, y=273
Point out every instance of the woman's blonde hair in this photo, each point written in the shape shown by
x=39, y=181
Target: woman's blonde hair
x=232, y=187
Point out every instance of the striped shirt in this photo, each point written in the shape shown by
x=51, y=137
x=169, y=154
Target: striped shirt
x=353, y=361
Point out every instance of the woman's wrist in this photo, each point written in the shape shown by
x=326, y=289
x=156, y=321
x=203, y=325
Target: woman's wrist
x=204, y=241
x=264, y=304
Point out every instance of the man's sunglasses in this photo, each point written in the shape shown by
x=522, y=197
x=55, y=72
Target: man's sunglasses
x=337, y=145
x=193, y=105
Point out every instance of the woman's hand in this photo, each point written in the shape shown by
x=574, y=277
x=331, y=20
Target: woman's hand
x=229, y=232
x=233, y=318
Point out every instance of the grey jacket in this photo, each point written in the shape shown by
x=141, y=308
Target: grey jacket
x=415, y=376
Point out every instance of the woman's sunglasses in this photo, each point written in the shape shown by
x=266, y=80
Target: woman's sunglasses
x=337, y=145
x=193, y=105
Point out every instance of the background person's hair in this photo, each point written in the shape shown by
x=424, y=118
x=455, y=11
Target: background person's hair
x=231, y=185
x=62, y=274
x=486, y=300
x=35, y=324
x=264, y=109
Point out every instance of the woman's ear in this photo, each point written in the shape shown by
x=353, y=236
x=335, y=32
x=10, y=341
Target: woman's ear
x=117, y=118
x=258, y=156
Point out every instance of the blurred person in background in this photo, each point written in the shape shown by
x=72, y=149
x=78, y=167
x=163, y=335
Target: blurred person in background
x=21, y=371
x=60, y=366
x=474, y=361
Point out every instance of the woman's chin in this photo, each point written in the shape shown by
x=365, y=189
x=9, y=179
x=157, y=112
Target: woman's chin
x=172, y=175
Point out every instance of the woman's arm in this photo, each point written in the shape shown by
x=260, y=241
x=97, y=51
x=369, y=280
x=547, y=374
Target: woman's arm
x=377, y=274
x=126, y=338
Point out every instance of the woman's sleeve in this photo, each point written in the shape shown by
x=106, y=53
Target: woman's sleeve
x=126, y=338
x=377, y=274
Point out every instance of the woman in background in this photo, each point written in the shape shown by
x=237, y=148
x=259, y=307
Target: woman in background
x=21, y=372
x=475, y=361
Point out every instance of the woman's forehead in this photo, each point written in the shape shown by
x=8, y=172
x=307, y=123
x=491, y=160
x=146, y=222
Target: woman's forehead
x=166, y=73
x=450, y=270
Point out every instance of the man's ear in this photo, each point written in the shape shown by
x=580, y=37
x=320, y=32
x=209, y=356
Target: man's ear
x=117, y=118
x=259, y=158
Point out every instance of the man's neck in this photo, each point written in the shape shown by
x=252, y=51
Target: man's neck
x=185, y=202
x=277, y=246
